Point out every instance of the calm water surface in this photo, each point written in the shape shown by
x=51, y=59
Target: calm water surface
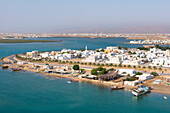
x=27, y=92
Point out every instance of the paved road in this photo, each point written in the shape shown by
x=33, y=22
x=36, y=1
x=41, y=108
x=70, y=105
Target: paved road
x=12, y=57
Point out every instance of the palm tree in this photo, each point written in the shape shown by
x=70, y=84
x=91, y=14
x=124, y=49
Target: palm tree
x=149, y=67
x=154, y=67
x=160, y=68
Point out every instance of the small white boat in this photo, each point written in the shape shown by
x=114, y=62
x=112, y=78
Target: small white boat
x=165, y=98
x=69, y=82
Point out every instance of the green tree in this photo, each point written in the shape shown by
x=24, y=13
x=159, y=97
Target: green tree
x=90, y=63
x=119, y=47
x=76, y=67
x=160, y=68
x=154, y=67
x=149, y=67
x=94, y=72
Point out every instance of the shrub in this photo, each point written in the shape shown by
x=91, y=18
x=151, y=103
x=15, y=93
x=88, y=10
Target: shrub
x=130, y=79
x=111, y=69
x=154, y=73
x=139, y=73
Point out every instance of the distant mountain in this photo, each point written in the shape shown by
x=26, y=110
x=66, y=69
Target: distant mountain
x=125, y=29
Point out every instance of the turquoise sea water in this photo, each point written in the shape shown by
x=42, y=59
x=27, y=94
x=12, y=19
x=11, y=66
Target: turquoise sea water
x=27, y=92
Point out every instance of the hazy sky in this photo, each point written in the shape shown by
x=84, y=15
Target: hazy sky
x=69, y=15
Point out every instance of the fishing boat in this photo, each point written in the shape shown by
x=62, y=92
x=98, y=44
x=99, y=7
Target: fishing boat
x=16, y=69
x=4, y=67
x=141, y=90
x=165, y=98
x=74, y=80
x=117, y=87
x=69, y=82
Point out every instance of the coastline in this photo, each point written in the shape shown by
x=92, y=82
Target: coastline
x=157, y=88
x=145, y=43
x=24, y=41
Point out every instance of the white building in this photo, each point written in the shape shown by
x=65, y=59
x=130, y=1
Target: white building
x=114, y=60
x=125, y=72
x=132, y=83
x=144, y=77
x=130, y=62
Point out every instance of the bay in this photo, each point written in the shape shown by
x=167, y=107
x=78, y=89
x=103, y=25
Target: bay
x=27, y=92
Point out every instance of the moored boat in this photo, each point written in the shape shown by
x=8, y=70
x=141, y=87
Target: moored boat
x=165, y=98
x=74, y=80
x=117, y=87
x=4, y=66
x=69, y=82
x=141, y=90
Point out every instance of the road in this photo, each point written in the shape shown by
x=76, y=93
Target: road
x=13, y=58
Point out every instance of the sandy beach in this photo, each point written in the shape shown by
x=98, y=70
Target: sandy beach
x=162, y=89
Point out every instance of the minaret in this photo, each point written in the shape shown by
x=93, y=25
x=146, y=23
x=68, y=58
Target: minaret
x=86, y=47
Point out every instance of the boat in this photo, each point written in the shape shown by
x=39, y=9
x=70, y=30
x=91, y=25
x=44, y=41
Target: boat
x=141, y=90
x=4, y=67
x=74, y=80
x=69, y=82
x=117, y=87
x=16, y=69
x=165, y=98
